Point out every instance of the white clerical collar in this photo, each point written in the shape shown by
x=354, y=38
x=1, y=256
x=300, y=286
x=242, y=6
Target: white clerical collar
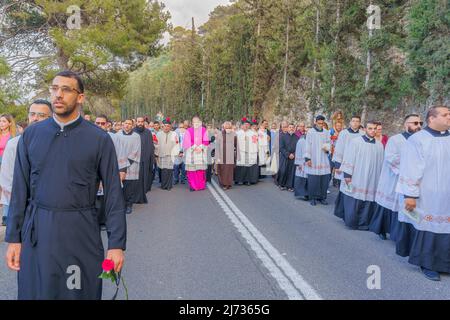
x=63, y=125
x=437, y=133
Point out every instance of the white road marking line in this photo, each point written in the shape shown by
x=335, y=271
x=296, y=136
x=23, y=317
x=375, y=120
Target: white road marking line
x=277, y=274
x=299, y=282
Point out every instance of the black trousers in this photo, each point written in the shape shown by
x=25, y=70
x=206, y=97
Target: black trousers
x=318, y=186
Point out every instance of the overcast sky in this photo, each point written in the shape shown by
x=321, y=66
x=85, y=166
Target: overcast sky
x=182, y=11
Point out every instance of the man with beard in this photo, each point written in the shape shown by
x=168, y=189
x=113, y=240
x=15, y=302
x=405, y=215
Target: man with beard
x=39, y=110
x=53, y=231
x=425, y=188
x=362, y=165
x=147, y=155
x=275, y=158
x=288, y=143
x=385, y=217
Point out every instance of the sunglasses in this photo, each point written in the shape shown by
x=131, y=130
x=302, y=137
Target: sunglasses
x=100, y=123
x=416, y=123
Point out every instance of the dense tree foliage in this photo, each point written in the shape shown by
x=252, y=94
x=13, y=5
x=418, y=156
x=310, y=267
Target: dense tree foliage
x=260, y=57
x=103, y=41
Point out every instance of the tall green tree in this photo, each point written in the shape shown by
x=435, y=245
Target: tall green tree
x=428, y=48
x=297, y=58
x=112, y=38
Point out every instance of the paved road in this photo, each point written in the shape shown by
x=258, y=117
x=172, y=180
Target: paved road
x=253, y=243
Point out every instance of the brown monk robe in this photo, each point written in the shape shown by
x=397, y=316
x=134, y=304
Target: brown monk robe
x=225, y=157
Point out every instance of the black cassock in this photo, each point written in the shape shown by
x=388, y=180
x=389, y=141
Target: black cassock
x=147, y=159
x=52, y=211
x=286, y=173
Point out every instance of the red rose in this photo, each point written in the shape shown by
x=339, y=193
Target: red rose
x=107, y=265
x=244, y=119
x=167, y=119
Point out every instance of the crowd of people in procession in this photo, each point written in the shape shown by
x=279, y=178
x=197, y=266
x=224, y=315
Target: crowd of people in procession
x=398, y=186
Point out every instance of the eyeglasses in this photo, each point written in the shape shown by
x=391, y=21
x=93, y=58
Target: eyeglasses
x=416, y=123
x=64, y=89
x=40, y=115
x=100, y=123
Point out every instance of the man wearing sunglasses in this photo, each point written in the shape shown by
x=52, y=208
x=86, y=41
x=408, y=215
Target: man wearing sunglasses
x=39, y=110
x=385, y=217
x=424, y=183
x=53, y=231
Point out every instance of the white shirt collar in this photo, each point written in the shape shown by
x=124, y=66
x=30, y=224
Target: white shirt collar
x=63, y=125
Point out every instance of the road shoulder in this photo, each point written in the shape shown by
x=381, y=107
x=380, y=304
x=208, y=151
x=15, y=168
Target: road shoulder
x=2, y=233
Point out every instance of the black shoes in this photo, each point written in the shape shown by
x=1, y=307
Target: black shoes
x=314, y=202
x=382, y=236
x=129, y=210
x=430, y=274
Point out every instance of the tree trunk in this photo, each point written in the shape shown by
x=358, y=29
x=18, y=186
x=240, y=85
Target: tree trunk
x=367, y=79
x=336, y=39
x=286, y=59
x=256, y=61
x=62, y=60
x=313, y=86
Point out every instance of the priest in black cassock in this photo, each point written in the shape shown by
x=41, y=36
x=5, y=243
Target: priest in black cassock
x=286, y=173
x=276, y=149
x=53, y=230
x=147, y=155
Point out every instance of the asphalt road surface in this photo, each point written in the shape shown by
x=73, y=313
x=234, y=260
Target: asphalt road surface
x=254, y=242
